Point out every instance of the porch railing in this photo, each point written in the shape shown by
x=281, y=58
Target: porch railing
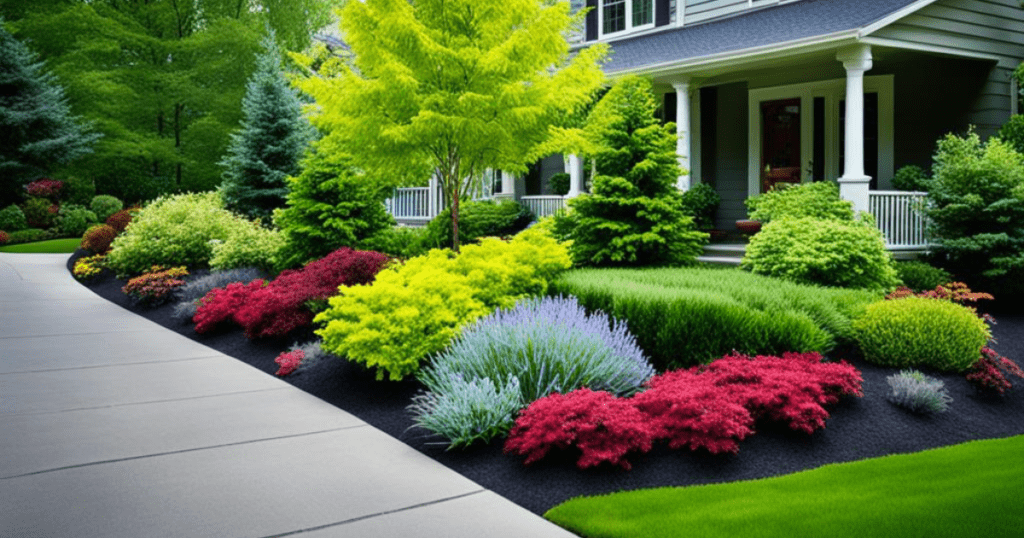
x=898, y=214
x=413, y=203
x=544, y=206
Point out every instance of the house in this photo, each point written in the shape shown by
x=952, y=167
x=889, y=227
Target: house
x=768, y=91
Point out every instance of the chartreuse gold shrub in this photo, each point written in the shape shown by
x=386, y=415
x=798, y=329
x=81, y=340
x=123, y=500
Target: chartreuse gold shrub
x=682, y=317
x=415, y=309
x=849, y=254
x=915, y=332
x=247, y=245
x=175, y=230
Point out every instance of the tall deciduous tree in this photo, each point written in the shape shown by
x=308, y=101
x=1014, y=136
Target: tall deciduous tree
x=161, y=79
x=37, y=130
x=453, y=87
x=634, y=215
x=273, y=137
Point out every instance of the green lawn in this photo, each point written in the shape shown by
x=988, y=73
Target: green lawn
x=966, y=490
x=53, y=246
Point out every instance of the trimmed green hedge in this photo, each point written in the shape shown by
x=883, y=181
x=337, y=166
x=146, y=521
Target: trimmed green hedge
x=687, y=316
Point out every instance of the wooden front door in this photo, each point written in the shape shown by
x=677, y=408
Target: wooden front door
x=780, y=142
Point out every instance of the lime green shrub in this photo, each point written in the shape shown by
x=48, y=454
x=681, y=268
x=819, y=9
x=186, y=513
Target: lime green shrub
x=915, y=332
x=687, y=316
x=413, y=310
x=399, y=241
x=247, y=245
x=827, y=252
x=104, y=206
x=819, y=200
x=920, y=276
x=174, y=231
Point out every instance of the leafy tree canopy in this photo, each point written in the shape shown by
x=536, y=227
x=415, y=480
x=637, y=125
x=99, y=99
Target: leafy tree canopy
x=452, y=87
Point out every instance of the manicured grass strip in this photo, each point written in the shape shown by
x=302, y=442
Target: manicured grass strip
x=966, y=490
x=53, y=246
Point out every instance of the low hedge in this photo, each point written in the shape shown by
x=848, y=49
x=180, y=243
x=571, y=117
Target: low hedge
x=682, y=317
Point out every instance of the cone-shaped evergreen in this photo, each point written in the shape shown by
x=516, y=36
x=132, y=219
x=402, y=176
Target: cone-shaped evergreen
x=634, y=215
x=37, y=130
x=272, y=140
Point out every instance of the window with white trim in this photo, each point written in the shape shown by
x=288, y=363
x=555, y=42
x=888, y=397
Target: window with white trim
x=619, y=16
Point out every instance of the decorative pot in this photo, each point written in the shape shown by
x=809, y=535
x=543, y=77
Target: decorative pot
x=748, y=226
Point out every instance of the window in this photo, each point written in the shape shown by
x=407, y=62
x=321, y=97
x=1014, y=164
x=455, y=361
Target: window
x=624, y=15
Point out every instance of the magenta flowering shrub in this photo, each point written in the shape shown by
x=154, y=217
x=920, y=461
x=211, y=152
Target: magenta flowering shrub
x=220, y=304
x=711, y=407
x=156, y=286
x=45, y=188
x=281, y=306
x=4, y=237
x=289, y=361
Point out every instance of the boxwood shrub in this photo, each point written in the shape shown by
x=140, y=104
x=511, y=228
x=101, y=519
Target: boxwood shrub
x=920, y=276
x=682, y=317
x=916, y=332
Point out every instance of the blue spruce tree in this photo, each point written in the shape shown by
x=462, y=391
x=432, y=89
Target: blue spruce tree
x=272, y=140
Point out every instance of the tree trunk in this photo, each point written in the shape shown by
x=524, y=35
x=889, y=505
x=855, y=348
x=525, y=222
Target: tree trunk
x=455, y=221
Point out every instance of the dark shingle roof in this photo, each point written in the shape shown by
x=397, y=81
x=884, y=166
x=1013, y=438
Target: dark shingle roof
x=763, y=27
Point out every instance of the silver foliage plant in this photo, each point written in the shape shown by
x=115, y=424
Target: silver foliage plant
x=919, y=393
x=471, y=410
x=190, y=293
x=544, y=346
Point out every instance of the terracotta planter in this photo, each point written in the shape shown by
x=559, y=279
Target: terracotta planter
x=748, y=226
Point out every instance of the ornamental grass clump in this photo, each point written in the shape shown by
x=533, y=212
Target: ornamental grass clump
x=919, y=393
x=470, y=410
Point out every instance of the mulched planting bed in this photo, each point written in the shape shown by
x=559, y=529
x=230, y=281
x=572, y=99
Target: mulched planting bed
x=858, y=427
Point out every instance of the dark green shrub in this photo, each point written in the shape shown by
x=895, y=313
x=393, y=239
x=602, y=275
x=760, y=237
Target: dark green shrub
x=701, y=202
x=825, y=252
x=634, y=214
x=28, y=235
x=79, y=191
x=104, y=206
x=687, y=316
x=819, y=200
x=12, y=219
x=40, y=212
x=73, y=220
x=484, y=218
x=916, y=332
x=330, y=205
x=399, y=241
x=911, y=178
x=1012, y=132
x=559, y=183
x=920, y=276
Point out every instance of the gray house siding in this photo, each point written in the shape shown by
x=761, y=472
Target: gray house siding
x=702, y=10
x=978, y=27
x=729, y=162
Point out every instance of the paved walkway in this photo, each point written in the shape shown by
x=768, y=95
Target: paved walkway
x=112, y=426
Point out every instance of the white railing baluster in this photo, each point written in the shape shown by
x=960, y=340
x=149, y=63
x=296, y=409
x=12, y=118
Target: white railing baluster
x=900, y=219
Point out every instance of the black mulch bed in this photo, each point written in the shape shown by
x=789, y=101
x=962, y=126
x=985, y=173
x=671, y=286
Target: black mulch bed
x=858, y=428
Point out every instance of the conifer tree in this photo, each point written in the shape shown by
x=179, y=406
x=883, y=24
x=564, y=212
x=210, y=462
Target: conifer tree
x=634, y=215
x=272, y=140
x=37, y=131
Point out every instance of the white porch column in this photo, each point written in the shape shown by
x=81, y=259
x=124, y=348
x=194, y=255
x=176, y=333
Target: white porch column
x=507, y=184
x=574, y=167
x=682, y=87
x=434, y=197
x=854, y=185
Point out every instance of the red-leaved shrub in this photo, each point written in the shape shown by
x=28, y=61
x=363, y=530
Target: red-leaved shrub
x=289, y=361
x=220, y=304
x=98, y=238
x=712, y=407
x=45, y=188
x=120, y=220
x=155, y=286
x=603, y=427
x=990, y=373
x=4, y=237
x=281, y=307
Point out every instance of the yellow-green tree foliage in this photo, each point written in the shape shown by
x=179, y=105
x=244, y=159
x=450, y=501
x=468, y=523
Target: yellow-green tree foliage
x=452, y=87
x=413, y=310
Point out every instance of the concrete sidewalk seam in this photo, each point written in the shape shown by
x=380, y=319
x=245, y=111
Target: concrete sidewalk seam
x=183, y=451
x=45, y=370
x=378, y=514
x=146, y=402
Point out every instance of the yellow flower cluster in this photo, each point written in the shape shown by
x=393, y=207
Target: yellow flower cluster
x=88, y=267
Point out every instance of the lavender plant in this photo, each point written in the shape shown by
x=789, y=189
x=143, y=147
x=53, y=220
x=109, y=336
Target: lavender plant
x=919, y=393
x=544, y=345
x=471, y=410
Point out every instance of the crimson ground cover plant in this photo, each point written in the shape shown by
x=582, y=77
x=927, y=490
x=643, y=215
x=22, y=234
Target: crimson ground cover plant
x=220, y=304
x=711, y=407
x=281, y=307
x=156, y=286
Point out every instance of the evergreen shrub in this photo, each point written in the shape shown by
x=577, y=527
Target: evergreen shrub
x=701, y=202
x=825, y=252
x=74, y=220
x=559, y=183
x=414, y=309
x=911, y=178
x=544, y=346
x=28, y=235
x=247, y=245
x=399, y=241
x=40, y=212
x=917, y=332
x=12, y=219
x=478, y=219
x=687, y=316
x=104, y=206
x=79, y=191
x=1012, y=132
x=819, y=200
x=921, y=276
